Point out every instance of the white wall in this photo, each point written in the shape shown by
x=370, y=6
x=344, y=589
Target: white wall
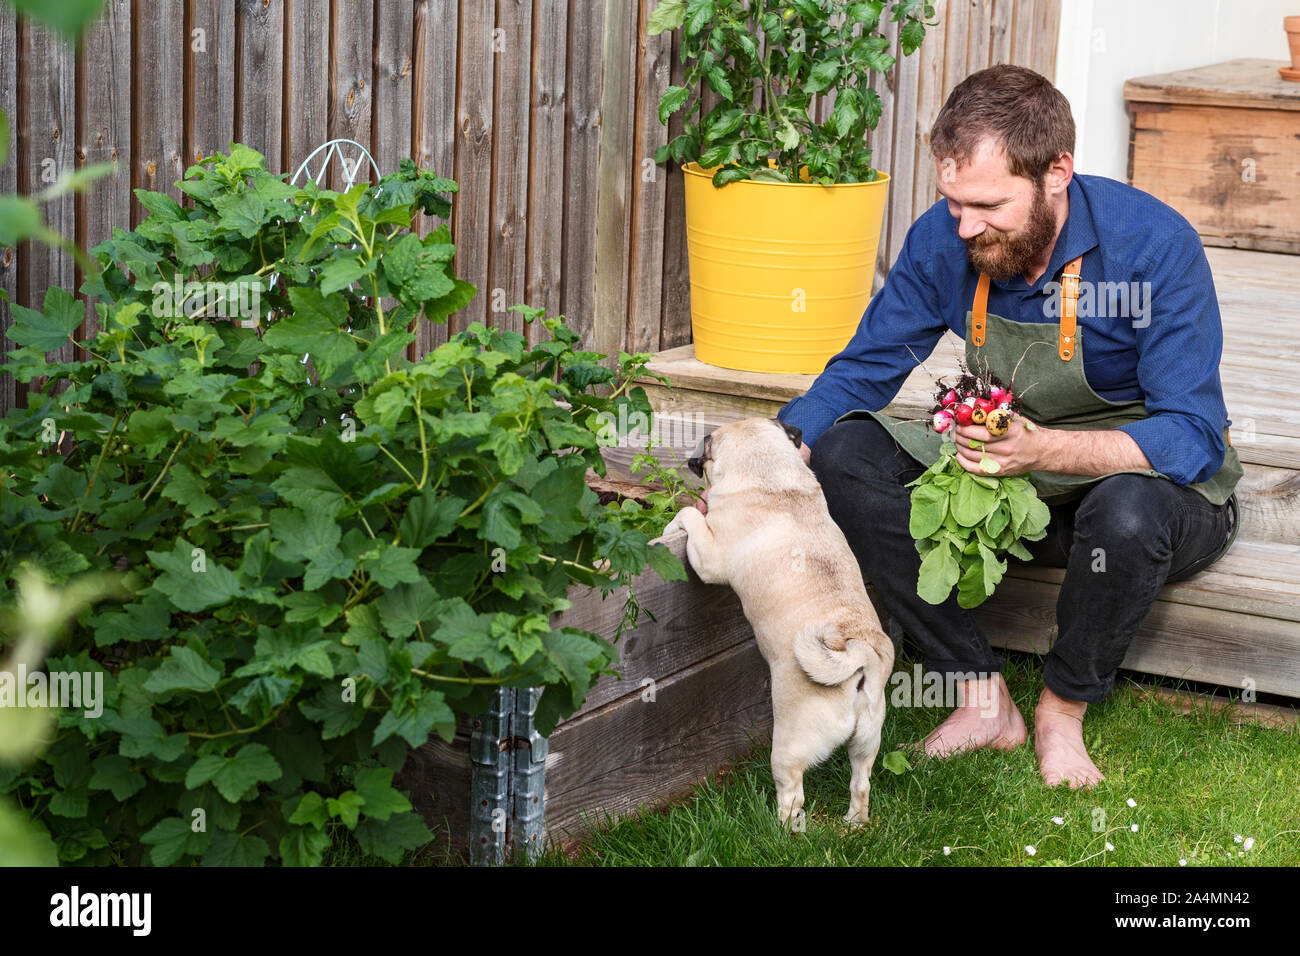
x=1105, y=42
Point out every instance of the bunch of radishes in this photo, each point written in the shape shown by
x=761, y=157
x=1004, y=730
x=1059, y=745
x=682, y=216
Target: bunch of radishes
x=974, y=401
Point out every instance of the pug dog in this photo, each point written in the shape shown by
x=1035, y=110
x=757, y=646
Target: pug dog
x=769, y=535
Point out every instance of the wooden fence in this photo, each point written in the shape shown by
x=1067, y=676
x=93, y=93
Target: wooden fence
x=543, y=111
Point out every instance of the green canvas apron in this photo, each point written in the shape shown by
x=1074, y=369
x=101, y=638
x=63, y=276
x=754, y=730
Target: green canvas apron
x=1053, y=392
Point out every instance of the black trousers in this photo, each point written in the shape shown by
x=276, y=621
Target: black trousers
x=1120, y=543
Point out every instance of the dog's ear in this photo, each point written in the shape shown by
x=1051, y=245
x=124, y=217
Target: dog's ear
x=794, y=433
x=703, y=453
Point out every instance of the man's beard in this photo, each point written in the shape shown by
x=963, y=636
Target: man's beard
x=1003, y=255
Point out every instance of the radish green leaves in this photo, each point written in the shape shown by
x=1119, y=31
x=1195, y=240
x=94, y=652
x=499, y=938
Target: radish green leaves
x=963, y=523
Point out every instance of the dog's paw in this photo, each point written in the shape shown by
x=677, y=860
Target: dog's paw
x=856, y=818
x=677, y=524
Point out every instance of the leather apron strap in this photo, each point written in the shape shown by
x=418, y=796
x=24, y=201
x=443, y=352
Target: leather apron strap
x=1069, y=309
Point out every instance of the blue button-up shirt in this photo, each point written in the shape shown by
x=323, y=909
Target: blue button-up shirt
x=1164, y=350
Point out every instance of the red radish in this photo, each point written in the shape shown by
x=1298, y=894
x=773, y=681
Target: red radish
x=999, y=395
x=984, y=405
x=942, y=421
x=949, y=399
x=969, y=401
x=963, y=414
x=1004, y=404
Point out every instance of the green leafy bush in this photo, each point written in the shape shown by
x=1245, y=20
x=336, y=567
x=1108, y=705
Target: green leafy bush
x=781, y=55
x=328, y=558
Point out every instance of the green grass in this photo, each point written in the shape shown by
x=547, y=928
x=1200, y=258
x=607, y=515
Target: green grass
x=1198, y=781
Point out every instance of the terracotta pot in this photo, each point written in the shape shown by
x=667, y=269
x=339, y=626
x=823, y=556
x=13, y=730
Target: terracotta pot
x=1292, y=27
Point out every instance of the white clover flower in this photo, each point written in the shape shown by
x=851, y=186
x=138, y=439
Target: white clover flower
x=947, y=851
x=1134, y=828
x=1131, y=802
x=1059, y=821
x=1237, y=838
x=1110, y=847
x=1030, y=850
x=1182, y=862
x=1250, y=841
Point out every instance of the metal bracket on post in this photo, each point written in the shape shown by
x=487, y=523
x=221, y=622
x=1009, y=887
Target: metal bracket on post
x=490, y=781
x=528, y=778
x=508, y=780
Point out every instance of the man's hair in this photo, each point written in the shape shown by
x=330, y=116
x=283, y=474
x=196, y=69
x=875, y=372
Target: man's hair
x=1020, y=109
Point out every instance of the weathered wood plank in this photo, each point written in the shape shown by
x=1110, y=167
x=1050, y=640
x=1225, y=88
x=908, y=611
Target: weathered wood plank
x=1245, y=83
x=211, y=66
x=548, y=98
x=306, y=106
x=158, y=120
x=1000, y=27
x=1239, y=712
x=646, y=251
x=933, y=57
x=390, y=132
x=433, y=109
x=675, y=326
x=47, y=133
x=614, y=178
x=473, y=207
x=104, y=130
x=1176, y=640
x=1243, y=192
x=508, y=239
x=581, y=160
x=635, y=751
x=1270, y=504
x=437, y=775
x=259, y=79
x=978, y=32
x=351, y=79
x=10, y=391
x=1256, y=578
x=1047, y=22
x=882, y=142
x=1022, y=37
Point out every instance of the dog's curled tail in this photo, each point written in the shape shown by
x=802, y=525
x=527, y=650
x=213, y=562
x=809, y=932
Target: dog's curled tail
x=825, y=665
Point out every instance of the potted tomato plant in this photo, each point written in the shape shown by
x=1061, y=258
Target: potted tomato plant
x=783, y=213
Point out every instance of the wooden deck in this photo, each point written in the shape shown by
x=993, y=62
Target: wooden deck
x=1239, y=619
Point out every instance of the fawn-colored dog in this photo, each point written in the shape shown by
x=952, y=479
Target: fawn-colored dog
x=769, y=535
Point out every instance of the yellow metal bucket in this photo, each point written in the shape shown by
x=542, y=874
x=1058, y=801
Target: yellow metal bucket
x=780, y=272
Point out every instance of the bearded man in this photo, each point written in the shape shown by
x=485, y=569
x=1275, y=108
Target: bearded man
x=1130, y=449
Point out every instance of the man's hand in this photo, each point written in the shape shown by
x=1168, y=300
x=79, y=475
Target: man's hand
x=1022, y=449
x=1018, y=451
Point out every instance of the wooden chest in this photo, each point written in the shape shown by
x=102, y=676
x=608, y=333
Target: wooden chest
x=1221, y=144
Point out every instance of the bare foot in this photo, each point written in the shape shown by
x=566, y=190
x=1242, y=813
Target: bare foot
x=1058, y=740
x=985, y=716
